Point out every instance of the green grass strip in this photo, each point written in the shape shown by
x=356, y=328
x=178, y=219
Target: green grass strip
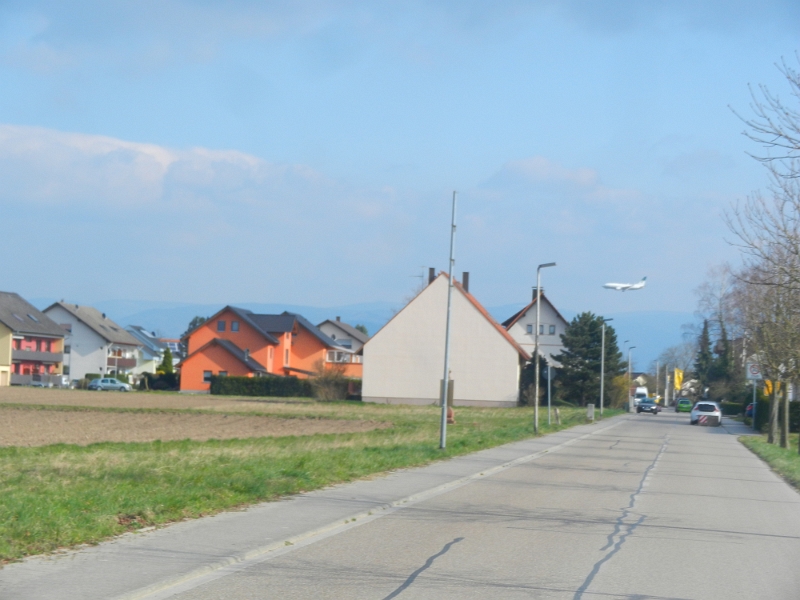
x=62, y=495
x=784, y=461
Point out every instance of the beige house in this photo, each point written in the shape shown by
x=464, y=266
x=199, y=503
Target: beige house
x=404, y=361
x=522, y=327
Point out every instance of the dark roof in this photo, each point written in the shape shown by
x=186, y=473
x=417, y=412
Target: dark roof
x=268, y=325
x=349, y=329
x=518, y=315
x=234, y=350
x=20, y=316
x=99, y=323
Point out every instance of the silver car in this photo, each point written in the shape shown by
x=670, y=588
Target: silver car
x=109, y=383
x=706, y=412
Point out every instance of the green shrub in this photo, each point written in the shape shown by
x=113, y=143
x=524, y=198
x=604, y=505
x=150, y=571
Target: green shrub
x=271, y=385
x=159, y=382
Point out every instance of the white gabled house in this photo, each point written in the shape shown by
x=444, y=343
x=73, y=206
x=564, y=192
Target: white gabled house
x=522, y=327
x=404, y=361
x=343, y=334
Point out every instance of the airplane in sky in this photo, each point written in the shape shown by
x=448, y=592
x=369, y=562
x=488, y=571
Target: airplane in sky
x=622, y=287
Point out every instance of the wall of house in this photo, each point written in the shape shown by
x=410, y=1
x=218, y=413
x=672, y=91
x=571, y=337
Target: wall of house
x=5, y=355
x=88, y=350
x=333, y=332
x=307, y=352
x=214, y=359
x=247, y=338
x=404, y=361
x=550, y=345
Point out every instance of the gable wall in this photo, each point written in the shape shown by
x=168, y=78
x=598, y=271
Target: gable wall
x=404, y=361
x=550, y=345
x=247, y=338
x=88, y=350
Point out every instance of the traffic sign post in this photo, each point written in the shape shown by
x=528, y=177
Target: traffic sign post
x=754, y=374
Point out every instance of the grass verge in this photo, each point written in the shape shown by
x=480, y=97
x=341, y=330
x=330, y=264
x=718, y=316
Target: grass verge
x=784, y=461
x=62, y=495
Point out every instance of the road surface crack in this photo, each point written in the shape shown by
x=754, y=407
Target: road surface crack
x=426, y=566
x=622, y=529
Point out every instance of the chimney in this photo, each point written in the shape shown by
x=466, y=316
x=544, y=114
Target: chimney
x=431, y=275
x=338, y=319
x=533, y=294
x=465, y=281
x=247, y=354
x=104, y=315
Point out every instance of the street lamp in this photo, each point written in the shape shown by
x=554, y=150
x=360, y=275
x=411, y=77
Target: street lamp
x=630, y=380
x=536, y=343
x=603, y=362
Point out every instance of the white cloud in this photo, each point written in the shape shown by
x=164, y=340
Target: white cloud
x=43, y=166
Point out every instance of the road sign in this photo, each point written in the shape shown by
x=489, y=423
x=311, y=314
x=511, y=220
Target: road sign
x=753, y=372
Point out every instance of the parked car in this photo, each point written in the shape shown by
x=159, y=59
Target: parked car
x=647, y=405
x=109, y=383
x=683, y=405
x=706, y=412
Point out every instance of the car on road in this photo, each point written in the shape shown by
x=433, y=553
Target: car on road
x=706, y=412
x=109, y=383
x=683, y=405
x=648, y=405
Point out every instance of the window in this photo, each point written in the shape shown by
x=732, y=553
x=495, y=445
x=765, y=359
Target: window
x=337, y=357
x=234, y=325
x=207, y=376
x=33, y=318
x=552, y=329
x=66, y=369
x=530, y=328
x=220, y=325
x=541, y=329
x=286, y=357
x=67, y=349
x=223, y=373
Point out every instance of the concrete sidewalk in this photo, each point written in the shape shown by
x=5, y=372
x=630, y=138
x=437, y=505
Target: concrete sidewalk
x=155, y=563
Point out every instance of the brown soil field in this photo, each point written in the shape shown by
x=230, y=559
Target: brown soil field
x=39, y=426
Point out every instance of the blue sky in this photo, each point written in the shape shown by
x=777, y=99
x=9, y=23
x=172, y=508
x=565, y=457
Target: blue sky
x=306, y=152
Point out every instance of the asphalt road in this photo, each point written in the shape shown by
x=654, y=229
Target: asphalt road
x=651, y=508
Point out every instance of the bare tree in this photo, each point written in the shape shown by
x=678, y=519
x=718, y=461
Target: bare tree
x=776, y=126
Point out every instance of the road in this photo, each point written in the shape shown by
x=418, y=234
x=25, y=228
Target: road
x=652, y=508
x=637, y=507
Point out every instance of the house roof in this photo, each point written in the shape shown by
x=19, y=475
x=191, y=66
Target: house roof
x=518, y=315
x=268, y=325
x=234, y=351
x=348, y=329
x=99, y=323
x=148, y=340
x=22, y=317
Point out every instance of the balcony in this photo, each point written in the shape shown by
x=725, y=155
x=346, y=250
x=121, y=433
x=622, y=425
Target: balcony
x=122, y=363
x=34, y=356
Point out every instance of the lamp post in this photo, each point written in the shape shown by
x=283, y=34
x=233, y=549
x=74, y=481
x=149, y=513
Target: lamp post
x=536, y=343
x=630, y=380
x=603, y=362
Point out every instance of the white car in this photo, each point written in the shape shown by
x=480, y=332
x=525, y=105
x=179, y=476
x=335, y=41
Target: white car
x=109, y=383
x=706, y=412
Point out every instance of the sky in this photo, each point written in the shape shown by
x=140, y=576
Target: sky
x=307, y=152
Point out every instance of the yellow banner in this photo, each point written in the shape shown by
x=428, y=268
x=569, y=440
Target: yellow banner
x=678, y=379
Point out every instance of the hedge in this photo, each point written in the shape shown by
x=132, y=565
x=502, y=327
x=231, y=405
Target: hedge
x=261, y=386
x=731, y=409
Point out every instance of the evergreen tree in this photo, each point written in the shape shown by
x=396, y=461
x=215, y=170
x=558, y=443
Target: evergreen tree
x=704, y=360
x=362, y=329
x=579, y=375
x=166, y=363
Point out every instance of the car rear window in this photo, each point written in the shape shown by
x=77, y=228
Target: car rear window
x=684, y=402
x=706, y=408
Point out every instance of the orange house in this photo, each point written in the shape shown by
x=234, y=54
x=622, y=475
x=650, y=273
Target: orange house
x=239, y=342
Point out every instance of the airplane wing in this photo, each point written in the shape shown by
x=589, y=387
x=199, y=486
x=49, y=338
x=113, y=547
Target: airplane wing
x=617, y=286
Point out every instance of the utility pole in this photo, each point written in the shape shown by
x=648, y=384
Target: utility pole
x=446, y=376
x=630, y=380
x=536, y=344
